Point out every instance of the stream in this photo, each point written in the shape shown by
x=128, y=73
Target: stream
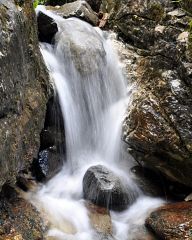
x=93, y=97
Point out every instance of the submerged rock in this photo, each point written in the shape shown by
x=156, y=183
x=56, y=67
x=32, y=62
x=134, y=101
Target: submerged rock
x=100, y=219
x=78, y=47
x=102, y=187
x=172, y=221
x=79, y=9
x=24, y=89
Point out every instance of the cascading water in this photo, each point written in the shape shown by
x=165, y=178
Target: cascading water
x=92, y=96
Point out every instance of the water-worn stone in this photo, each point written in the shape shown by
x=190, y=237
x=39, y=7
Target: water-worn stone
x=172, y=221
x=158, y=125
x=102, y=187
x=100, y=219
x=81, y=47
x=19, y=220
x=24, y=88
x=79, y=9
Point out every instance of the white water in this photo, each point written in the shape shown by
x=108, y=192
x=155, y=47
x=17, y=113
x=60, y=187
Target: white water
x=92, y=94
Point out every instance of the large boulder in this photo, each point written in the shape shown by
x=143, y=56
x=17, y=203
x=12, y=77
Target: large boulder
x=104, y=188
x=78, y=46
x=24, y=88
x=158, y=123
x=172, y=221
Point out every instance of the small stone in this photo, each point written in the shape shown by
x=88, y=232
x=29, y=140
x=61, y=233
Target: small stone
x=177, y=13
x=183, y=37
x=188, y=198
x=159, y=28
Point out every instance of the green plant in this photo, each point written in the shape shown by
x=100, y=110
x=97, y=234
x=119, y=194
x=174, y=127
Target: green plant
x=38, y=2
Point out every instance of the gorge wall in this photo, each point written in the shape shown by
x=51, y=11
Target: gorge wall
x=24, y=88
x=158, y=127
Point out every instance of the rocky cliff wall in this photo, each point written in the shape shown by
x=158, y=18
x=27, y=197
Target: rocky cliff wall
x=24, y=88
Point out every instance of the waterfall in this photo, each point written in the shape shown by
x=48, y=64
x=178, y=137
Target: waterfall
x=92, y=94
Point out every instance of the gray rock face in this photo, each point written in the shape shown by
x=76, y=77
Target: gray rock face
x=102, y=187
x=79, y=9
x=158, y=125
x=95, y=4
x=24, y=89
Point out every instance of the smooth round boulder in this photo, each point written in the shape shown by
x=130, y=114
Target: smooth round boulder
x=104, y=188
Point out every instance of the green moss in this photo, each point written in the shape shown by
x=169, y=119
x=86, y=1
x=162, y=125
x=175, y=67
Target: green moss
x=38, y=2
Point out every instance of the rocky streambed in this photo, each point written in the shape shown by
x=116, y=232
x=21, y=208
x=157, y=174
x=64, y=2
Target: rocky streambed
x=153, y=39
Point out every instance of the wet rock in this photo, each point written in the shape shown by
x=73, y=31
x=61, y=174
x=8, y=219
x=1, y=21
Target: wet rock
x=172, y=221
x=79, y=9
x=151, y=183
x=102, y=187
x=47, y=28
x=81, y=48
x=18, y=218
x=52, y=143
x=24, y=89
x=158, y=122
x=47, y=164
x=100, y=219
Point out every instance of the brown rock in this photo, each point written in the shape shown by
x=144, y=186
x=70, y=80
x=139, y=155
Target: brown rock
x=100, y=219
x=19, y=220
x=172, y=221
x=158, y=125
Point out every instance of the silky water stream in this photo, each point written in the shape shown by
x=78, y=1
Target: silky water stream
x=92, y=95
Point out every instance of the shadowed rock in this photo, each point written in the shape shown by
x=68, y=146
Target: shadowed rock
x=47, y=27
